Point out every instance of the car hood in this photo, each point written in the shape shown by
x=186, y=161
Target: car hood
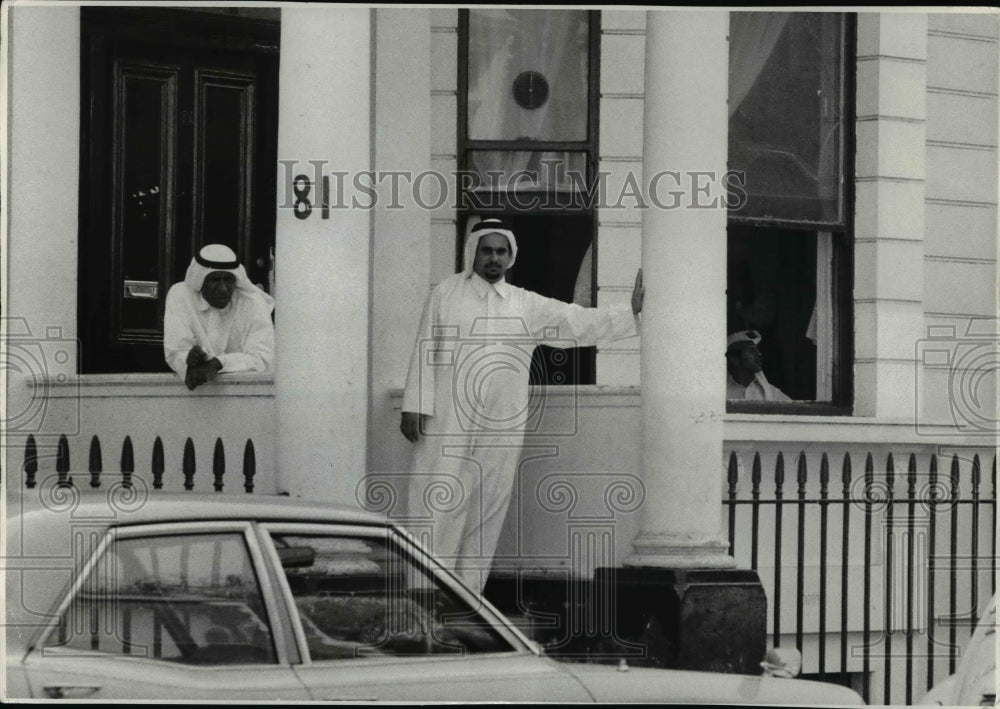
x=637, y=684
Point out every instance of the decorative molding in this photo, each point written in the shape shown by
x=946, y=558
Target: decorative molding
x=960, y=146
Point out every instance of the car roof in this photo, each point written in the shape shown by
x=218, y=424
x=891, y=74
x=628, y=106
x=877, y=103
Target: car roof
x=126, y=508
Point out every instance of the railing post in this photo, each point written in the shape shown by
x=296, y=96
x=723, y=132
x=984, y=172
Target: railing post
x=732, y=477
x=189, y=464
x=824, y=483
x=62, y=463
x=30, y=465
x=218, y=464
x=845, y=481
x=890, y=562
x=157, y=464
x=976, y=479
x=869, y=478
x=800, y=478
x=249, y=466
x=779, y=481
x=933, y=499
x=911, y=509
x=755, y=477
x=95, y=464
x=128, y=462
x=953, y=571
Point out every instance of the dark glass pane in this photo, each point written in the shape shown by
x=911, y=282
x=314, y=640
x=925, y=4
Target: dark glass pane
x=772, y=289
x=506, y=44
x=225, y=152
x=786, y=117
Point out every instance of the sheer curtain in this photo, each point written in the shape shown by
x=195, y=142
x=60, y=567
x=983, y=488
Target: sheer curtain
x=502, y=45
x=752, y=36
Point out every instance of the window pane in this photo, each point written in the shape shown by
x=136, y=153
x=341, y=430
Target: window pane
x=786, y=114
x=187, y=598
x=772, y=289
x=507, y=44
x=359, y=597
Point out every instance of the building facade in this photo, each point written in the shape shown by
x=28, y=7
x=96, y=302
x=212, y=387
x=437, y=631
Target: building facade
x=828, y=179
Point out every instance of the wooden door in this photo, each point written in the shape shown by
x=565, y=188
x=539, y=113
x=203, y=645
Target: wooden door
x=179, y=149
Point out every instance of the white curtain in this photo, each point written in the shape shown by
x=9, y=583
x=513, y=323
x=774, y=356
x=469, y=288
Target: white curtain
x=502, y=45
x=752, y=36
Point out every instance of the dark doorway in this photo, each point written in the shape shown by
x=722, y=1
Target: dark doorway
x=551, y=251
x=179, y=132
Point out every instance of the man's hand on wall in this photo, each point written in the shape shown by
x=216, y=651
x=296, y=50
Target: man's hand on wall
x=412, y=424
x=638, y=293
x=201, y=373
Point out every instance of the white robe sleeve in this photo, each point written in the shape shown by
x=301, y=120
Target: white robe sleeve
x=257, y=351
x=558, y=324
x=178, y=332
x=418, y=397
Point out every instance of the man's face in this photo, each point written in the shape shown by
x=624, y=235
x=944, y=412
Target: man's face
x=492, y=257
x=745, y=356
x=217, y=290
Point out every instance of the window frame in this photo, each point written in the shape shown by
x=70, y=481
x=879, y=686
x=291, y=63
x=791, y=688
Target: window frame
x=842, y=271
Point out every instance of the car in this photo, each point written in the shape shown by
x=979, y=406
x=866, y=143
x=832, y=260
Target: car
x=192, y=596
x=975, y=680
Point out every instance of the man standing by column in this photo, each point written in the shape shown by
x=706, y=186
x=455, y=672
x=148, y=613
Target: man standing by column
x=466, y=403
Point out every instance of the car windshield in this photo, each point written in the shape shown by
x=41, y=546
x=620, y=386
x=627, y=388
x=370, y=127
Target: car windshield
x=363, y=597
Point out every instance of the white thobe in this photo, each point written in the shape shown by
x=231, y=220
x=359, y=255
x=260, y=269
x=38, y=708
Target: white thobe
x=241, y=335
x=469, y=372
x=759, y=389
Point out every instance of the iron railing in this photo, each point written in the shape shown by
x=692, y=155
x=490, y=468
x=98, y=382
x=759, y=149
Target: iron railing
x=895, y=625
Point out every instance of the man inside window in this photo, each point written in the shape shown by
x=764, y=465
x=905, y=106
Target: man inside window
x=216, y=320
x=746, y=380
x=466, y=403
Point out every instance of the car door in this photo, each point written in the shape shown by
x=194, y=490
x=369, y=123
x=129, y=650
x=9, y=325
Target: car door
x=168, y=611
x=377, y=620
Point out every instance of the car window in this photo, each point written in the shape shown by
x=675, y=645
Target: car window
x=188, y=598
x=364, y=597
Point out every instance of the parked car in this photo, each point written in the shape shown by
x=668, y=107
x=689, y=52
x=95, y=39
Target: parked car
x=219, y=597
x=975, y=680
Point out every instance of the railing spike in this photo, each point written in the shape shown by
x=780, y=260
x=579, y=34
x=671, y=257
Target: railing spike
x=802, y=473
x=755, y=471
x=733, y=471
x=218, y=464
x=62, y=462
x=954, y=476
x=189, y=464
x=30, y=461
x=824, y=471
x=128, y=462
x=976, y=474
x=249, y=466
x=95, y=464
x=846, y=473
x=157, y=464
x=779, y=471
x=911, y=476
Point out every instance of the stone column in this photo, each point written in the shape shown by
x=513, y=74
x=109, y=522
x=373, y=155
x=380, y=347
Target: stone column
x=679, y=597
x=684, y=263
x=322, y=261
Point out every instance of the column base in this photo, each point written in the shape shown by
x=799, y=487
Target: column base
x=697, y=619
x=713, y=620
x=669, y=552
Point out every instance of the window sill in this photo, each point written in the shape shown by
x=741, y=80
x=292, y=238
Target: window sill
x=87, y=386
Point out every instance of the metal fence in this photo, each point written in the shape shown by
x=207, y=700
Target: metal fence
x=894, y=625
x=124, y=473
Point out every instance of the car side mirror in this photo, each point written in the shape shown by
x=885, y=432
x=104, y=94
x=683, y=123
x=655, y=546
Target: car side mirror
x=782, y=662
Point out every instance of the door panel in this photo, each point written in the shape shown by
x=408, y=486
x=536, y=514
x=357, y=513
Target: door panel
x=143, y=190
x=179, y=149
